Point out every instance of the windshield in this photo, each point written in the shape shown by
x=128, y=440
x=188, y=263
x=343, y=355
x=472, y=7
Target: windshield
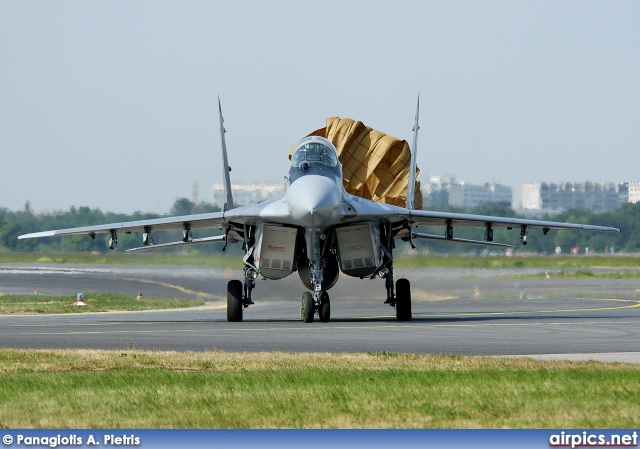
x=314, y=153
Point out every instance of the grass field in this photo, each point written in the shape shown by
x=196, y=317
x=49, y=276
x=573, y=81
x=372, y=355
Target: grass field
x=135, y=389
x=95, y=302
x=582, y=273
x=523, y=261
x=120, y=258
x=406, y=260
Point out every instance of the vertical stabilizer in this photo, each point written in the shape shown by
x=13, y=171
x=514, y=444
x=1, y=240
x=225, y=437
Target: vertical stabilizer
x=226, y=179
x=411, y=187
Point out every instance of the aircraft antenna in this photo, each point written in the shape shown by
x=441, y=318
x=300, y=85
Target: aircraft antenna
x=411, y=187
x=226, y=179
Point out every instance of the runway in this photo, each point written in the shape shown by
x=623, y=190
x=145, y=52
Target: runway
x=455, y=312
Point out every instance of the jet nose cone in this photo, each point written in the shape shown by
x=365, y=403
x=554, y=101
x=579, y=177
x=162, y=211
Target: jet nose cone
x=314, y=201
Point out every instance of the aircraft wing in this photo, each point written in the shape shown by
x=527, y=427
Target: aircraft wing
x=367, y=210
x=429, y=218
x=214, y=239
x=233, y=220
x=197, y=221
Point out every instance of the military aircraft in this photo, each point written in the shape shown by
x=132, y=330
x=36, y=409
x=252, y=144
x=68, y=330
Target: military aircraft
x=317, y=229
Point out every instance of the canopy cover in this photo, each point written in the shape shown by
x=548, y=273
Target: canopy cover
x=375, y=165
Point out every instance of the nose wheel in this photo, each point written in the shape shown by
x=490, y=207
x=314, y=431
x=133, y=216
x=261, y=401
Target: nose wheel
x=311, y=305
x=324, y=310
x=308, y=309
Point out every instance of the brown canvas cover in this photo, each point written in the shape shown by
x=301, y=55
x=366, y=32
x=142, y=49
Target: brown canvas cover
x=375, y=165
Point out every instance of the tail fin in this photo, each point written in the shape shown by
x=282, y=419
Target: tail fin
x=411, y=187
x=225, y=165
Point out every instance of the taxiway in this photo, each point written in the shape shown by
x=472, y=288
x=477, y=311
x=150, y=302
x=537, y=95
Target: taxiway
x=455, y=311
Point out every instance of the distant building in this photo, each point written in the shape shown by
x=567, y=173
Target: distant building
x=472, y=195
x=435, y=193
x=559, y=196
x=248, y=192
x=634, y=192
x=443, y=192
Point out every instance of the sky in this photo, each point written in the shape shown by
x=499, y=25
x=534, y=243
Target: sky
x=113, y=105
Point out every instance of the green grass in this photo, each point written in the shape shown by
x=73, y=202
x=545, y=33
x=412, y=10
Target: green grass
x=583, y=273
x=413, y=260
x=134, y=389
x=529, y=261
x=95, y=302
x=120, y=258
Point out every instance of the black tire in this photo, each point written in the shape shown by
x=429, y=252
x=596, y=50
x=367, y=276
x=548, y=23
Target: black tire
x=308, y=307
x=234, y=301
x=403, y=300
x=325, y=308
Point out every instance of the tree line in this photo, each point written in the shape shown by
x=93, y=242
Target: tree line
x=13, y=224
x=626, y=217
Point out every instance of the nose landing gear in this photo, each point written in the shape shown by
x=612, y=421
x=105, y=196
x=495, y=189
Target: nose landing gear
x=311, y=305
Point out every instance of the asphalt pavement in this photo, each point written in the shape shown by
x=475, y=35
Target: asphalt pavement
x=455, y=311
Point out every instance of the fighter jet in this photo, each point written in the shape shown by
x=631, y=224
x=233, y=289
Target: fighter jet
x=317, y=229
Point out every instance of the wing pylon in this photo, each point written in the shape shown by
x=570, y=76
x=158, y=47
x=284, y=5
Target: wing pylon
x=214, y=239
x=421, y=236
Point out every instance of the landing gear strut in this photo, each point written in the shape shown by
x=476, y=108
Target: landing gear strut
x=319, y=299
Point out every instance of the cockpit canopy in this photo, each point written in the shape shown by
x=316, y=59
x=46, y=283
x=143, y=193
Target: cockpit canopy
x=314, y=153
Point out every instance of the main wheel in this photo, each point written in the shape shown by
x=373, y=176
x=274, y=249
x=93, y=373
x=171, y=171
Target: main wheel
x=403, y=300
x=308, y=307
x=325, y=308
x=234, y=301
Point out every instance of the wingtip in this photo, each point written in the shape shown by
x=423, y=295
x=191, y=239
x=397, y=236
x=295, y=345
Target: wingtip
x=36, y=235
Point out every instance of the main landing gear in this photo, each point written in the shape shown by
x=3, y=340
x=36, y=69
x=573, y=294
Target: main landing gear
x=317, y=301
x=401, y=300
x=234, y=301
x=239, y=296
